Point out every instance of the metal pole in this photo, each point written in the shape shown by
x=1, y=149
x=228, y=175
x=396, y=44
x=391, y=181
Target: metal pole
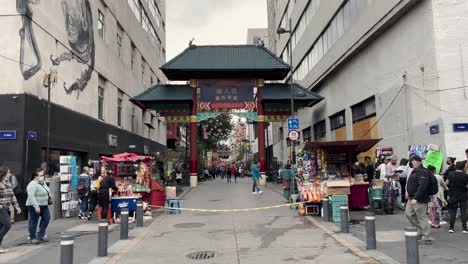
x=412, y=247
x=102, y=237
x=344, y=219
x=66, y=250
x=291, y=87
x=325, y=209
x=370, y=232
x=139, y=214
x=124, y=223
x=48, y=122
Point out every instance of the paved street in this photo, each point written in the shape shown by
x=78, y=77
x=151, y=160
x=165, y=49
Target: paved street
x=271, y=236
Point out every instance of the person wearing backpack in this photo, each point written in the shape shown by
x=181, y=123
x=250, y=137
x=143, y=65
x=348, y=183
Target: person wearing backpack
x=84, y=183
x=419, y=189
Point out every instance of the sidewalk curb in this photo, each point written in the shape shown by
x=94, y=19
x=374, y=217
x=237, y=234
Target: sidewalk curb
x=349, y=241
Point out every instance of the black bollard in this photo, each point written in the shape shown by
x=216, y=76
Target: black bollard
x=102, y=237
x=124, y=223
x=325, y=209
x=412, y=247
x=66, y=250
x=344, y=218
x=370, y=232
x=139, y=215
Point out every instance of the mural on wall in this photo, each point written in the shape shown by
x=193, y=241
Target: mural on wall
x=28, y=38
x=79, y=26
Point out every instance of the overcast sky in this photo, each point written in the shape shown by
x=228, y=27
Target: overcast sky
x=211, y=22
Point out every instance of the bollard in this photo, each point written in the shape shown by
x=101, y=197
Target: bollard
x=344, y=219
x=412, y=247
x=325, y=209
x=124, y=223
x=102, y=237
x=370, y=232
x=66, y=250
x=139, y=215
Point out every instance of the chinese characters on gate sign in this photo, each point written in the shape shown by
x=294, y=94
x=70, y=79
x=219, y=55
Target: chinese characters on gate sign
x=226, y=94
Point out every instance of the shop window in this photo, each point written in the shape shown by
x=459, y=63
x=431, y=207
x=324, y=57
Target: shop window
x=307, y=134
x=338, y=120
x=101, y=24
x=364, y=109
x=320, y=130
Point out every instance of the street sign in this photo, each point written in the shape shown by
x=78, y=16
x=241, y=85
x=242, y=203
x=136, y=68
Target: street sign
x=460, y=127
x=434, y=129
x=293, y=135
x=293, y=123
x=32, y=136
x=8, y=135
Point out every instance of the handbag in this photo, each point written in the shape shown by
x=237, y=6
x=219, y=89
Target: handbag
x=49, y=200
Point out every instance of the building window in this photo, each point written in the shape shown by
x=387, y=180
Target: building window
x=152, y=124
x=136, y=8
x=119, y=108
x=364, y=109
x=101, y=24
x=307, y=134
x=320, y=130
x=119, y=39
x=152, y=80
x=338, y=120
x=101, y=87
x=143, y=69
x=133, y=120
x=132, y=56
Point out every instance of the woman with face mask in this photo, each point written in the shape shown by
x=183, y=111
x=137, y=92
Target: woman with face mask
x=37, y=204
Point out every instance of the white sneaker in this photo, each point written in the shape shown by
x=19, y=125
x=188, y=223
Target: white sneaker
x=450, y=231
x=4, y=250
x=443, y=222
x=464, y=232
x=254, y=193
x=260, y=192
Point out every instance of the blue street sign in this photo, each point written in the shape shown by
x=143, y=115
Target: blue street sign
x=32, y=136
x=460, y=127
x=8, y=135
x=434, y=129
x=293, y=123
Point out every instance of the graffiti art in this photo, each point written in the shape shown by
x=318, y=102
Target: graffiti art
x=31, y=67
x=79, y=26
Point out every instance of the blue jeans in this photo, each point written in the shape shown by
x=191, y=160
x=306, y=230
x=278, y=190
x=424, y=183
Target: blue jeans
x=34, y=219
x=84, y=202
x=255, y=185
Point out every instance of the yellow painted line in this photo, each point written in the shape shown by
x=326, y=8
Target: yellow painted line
x=227, y=210
x=364, y=256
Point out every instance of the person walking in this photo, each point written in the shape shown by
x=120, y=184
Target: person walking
x=370, y=169
x=13, y=183
x=38, y=207
x=228, y=175
x=255, y=179
x=84, y=183
x=457, y=184
x=234, y=172
x=7, y=199
x=435, y=204
x=105, y=185
x=402, y=176
x=93, y=192
x=392, y=174
x=418, y=198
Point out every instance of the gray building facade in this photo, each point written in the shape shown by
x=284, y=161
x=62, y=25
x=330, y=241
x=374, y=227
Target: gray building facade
x=100, y=53
x=391, y=69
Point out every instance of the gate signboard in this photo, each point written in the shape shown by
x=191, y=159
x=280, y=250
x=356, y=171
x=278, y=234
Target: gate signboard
x=225, y=94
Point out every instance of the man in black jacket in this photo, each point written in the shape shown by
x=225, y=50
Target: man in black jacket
x=418, y=198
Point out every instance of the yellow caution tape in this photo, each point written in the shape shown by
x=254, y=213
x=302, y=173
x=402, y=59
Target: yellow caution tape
x=227, y=210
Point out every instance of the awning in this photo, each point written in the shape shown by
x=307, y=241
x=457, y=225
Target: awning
x=354, y=146
x=126, y=157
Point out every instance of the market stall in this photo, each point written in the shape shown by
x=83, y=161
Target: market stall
x=325, y=169
x=132, y=174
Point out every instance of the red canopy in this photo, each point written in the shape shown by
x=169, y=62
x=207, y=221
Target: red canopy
x=125, y=157
x=353, y=146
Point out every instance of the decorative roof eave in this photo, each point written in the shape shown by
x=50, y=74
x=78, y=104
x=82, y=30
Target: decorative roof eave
x=280, y=93
x=163, y=94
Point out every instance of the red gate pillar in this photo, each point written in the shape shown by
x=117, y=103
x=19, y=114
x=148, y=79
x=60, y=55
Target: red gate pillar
x=193, y=166
x=261, y=132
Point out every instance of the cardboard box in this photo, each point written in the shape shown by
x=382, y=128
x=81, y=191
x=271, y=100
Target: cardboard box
x=338, y=187
x=171, y=192
x=377, y=183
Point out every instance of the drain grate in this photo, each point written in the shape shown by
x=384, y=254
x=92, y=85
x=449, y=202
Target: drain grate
x=201, y=255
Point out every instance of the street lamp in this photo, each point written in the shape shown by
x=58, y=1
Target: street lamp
x=281, y=31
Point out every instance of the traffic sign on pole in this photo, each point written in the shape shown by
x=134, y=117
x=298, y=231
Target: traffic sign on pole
x=293, y=123
x=293, y=135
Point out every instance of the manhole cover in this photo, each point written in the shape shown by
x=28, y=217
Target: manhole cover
x=201, y=255
x=189, y=225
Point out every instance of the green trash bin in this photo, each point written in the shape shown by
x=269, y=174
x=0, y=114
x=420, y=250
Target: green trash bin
x=375, y=193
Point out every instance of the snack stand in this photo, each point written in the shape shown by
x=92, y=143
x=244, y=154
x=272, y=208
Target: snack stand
x=325, y=169
x=132, y=174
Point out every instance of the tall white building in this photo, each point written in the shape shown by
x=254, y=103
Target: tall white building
x=102, y=53
x=387, y=69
